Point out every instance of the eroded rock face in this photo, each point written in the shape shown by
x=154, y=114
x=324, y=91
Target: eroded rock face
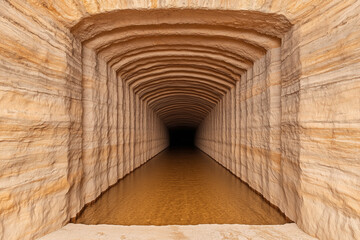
x=69, y=128
x=279, y=131
x=87, y=89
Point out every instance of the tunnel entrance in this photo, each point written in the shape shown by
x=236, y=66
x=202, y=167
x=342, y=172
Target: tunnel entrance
x=182, y=137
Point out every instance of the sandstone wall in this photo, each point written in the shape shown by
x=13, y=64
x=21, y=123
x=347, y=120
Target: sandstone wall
x=295, y=134
x=120, y=132
x=67, y=131
x=329, y=122
x=243, y=131
x=40, y=121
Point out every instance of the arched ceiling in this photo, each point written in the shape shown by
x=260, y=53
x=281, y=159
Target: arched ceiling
x=181, y=62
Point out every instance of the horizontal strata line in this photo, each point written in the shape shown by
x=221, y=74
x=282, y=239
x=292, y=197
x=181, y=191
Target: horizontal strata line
x=230, y=79
x=189, y=115
x=186, y=99
x=181, y=119
x=174, y=81
x=180, y=92
x=176, y=113
x=188, y=56
x=182, y=106
x=180, y=69
x=159, y=84
x=250, y=36
x=148, y=66
x=221, y=64
x=193, y=80
x=227, y=42
x=185, y=107
x=262, y=23
x=184, y=111
x=118, y=53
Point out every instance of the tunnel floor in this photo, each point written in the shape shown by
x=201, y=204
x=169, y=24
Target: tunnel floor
x=180, y=186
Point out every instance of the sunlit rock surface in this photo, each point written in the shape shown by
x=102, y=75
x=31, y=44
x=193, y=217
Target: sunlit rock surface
x=87, y=89
x=178, y=232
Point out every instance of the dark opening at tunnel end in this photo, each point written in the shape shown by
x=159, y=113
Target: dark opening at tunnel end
x=182, y=137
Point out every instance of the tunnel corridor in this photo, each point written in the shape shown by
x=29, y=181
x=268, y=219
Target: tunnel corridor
x=154, y=78
x=180, y=186
x=155, y=99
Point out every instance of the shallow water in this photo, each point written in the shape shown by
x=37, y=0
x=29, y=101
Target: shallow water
x=180, y=186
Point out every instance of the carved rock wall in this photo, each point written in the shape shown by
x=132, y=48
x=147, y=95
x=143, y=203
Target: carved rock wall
x=247, y=141
x=68, y=128
x=40, y=121
x=294, y=135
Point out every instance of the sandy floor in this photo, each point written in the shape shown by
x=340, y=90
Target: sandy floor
x=178, y=232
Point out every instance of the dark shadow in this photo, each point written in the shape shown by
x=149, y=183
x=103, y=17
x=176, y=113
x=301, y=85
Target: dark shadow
x=182, y=137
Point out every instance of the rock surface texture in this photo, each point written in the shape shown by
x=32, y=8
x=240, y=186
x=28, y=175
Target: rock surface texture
x=88, y=87
x=179, y=232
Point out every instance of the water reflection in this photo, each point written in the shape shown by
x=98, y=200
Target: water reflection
x=180, y=186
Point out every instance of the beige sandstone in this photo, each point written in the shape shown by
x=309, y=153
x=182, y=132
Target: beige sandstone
x=179, y=232
x=87, y=89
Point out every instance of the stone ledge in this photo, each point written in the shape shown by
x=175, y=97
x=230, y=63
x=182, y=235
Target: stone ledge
x=199, y=232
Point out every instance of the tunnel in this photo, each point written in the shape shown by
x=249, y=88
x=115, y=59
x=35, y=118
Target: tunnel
x=91, y=90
